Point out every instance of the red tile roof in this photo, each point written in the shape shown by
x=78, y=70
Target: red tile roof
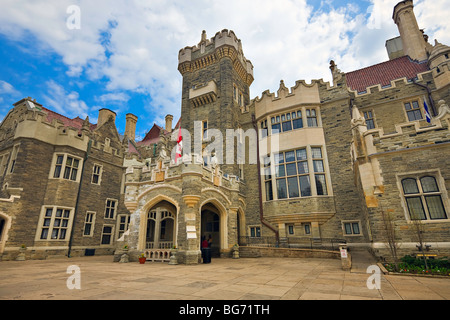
x=384, y=73
x=76, y=123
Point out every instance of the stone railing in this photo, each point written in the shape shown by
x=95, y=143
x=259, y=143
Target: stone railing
x=161, y=245
x=157, y=255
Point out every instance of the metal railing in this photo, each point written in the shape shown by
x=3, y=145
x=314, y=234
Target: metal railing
x=292, y=242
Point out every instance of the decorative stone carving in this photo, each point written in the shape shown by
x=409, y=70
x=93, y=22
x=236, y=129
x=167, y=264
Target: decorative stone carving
x=443, y=110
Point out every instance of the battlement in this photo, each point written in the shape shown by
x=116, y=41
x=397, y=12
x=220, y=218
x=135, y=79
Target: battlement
x=34, y=124
x=208, y=51
x=301, y=93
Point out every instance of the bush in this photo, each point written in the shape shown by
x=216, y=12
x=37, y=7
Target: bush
x=413, y=265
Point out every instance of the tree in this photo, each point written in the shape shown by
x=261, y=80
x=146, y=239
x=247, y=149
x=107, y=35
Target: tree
x=389, y=228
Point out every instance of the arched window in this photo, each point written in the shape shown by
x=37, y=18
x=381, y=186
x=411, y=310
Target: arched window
x=423, y=198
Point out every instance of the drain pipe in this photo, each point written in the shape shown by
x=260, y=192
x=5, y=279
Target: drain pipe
x=86, y=156
x=261, y=215
x=429, y=95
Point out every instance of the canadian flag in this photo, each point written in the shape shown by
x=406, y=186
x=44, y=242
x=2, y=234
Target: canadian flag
x=179, y=146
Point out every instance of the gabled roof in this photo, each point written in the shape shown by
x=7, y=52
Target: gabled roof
x=152, y=136
x=383, y=73
x=76, y=123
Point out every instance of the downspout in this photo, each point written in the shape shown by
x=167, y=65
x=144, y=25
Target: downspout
x=86, y=156
x=429, y=96
x=261, y=215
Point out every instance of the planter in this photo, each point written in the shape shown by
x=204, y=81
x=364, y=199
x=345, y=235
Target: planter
x=142, y=260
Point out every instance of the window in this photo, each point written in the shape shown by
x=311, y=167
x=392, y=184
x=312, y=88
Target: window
x=276, y=126
x=66, y=167
x=205, y=130
x=96, y=173
x=351, y=228
x=54, y=223
x=292, y=121
x=413, y=111
x=268, y=178
x=319, y=171
x=423, y=198
x=290, y=229
x=3, y=163
x=89, y=224
x=124, y=221
x=368, y=115
x=307, y=228
x=286, y=122
x=255, y=232
x=14, y=153
x=311, y=117
x=264, y=130
x=107, y=232
x=297, y=120
x=110, y=208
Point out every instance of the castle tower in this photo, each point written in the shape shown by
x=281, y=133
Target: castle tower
x=414, y=43
x=216, y=81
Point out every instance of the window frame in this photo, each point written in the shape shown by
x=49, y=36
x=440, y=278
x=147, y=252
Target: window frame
x=93, y=216
x=254, y=231
x=51, y=223
x=351, y=224
x=11, y=164
x=294, y=117
x=119, y=231
x=278, y=173
x=63, y=167
x=423, y=195
x=107, y=211
x=369, y=119
x=99, y=174
x=419, y=108
x=111, y=234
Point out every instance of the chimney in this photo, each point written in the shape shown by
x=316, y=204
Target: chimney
x=104, y=115
x=130, y=126
x=169, y=119
x=413, y=41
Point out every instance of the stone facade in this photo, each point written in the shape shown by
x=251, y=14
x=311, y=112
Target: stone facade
x=321, y=162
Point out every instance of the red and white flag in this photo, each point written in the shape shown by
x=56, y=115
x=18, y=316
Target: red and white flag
x=179, y=146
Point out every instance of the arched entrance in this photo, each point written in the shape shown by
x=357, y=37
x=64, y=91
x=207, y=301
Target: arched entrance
x=161, y=226
x=212, y=227
x=4, y=226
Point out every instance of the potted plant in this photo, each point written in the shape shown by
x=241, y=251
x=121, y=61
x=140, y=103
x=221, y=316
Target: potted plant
x=125, y=248
x=235, y=251
x=142, y=258
x=21, y=256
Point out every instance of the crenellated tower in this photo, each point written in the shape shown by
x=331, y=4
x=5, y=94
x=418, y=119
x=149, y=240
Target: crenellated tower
x=216, y=81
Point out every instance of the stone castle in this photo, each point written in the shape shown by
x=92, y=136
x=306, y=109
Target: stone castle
x=364, y=160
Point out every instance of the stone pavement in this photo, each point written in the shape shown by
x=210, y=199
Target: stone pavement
x=223, y=279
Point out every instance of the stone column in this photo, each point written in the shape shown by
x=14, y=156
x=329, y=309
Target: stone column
x=191, y=246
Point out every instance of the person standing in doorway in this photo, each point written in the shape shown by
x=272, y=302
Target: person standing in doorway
x=209, y=241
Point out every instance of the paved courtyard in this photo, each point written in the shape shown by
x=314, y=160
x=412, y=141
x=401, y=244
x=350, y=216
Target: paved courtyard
x=223, y=279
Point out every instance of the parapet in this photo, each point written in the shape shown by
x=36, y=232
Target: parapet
x=224, y=43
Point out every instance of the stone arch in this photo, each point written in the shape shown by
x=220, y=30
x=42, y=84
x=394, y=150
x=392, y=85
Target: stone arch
x=149, y=204
x=5, y=225
x=241, y=229
x=222, y=211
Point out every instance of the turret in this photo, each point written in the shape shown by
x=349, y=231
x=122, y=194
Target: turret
x=412, y=38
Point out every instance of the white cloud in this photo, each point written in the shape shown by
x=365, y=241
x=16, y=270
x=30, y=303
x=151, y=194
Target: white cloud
x=134, y=44
x=63, y=102
x=114, y=97
x=7, y=88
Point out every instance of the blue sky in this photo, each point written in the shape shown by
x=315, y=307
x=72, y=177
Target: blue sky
x=124, y=55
